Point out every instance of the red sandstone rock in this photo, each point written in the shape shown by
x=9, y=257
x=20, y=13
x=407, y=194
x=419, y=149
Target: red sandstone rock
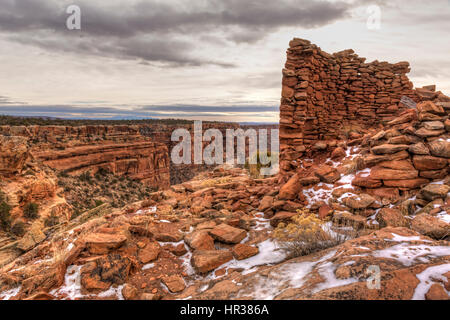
x=175, y=283
x=406, y=184
x=290, y=189
x=228, y=234
x=338, y=153
x=327, y=174
x=282, y=216
x=149, y=253
x=243, y=251
x=440, y=148
x=101, y=243
x=200, y=240
x=389, y=148
x=430, y=226
x=429, y=163
x=387, y=217
x=207, y=260
x=379, y=173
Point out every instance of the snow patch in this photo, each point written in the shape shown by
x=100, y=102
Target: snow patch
x=408, y=254
x=6, y=295
x=426, y=279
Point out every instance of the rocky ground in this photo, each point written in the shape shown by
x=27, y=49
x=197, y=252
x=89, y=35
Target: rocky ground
x=213, y=236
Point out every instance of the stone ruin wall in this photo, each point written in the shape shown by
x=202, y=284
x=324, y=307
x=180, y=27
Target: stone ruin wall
x=323, y=94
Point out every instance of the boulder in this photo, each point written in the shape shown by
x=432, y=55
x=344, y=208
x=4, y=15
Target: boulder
x=366, y=182
x=430, y=226
x=433, y=125
x=397, y=165
x=266, y=203
x=338, y=153
x=327, y=174
x=100, y=274
x=435, y=191
x=282, y=216
x=362, y=201
x=306, y=181
x=32, y=238
x=207, y=260
x=407, y=183
x=174, y=283
x=440, y=148
x=344, y=218
x=437, y=292
x=324, y=211
x=243, y=251
x=429, y=163
x=426, y=133
x=129, y=292
x=387, y=217
x=379, y=173
x=430, y=107
x=290, y=189
x=200, y=240
x=228, y=234
x=102, y=243
x=419, y=148
x=149, y=253
x=389, y=148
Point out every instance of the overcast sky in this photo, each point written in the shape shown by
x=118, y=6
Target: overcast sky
x=196, y=59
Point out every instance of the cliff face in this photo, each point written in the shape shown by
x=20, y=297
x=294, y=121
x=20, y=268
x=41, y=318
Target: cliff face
x=323, y=93
x=121, y=150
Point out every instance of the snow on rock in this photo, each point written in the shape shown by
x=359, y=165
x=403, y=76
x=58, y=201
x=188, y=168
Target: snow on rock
x=408, y=254
x=6, y=295
x=399, y=238
x=72, y=284
x=146, y=211
x=426, y=279
x=444, y=216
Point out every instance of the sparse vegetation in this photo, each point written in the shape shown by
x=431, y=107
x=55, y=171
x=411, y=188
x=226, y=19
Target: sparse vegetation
x=5, y=216
x=51, y=220
x=355, y=165
x=306, y=234
x=18, y=229
x=31, y=210
x=253, y=164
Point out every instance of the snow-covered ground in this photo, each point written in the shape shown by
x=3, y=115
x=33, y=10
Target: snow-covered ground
x=426, y=278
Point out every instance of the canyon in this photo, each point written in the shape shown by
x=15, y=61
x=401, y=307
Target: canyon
x=364, y=181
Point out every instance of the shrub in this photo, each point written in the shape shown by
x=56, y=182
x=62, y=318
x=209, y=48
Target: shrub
x=306, y=234
x=253, y=163
x=98, y=203
x=51, y=220
x=31, y=210
x=18, y=229
x=5, y=216
x=85, y=176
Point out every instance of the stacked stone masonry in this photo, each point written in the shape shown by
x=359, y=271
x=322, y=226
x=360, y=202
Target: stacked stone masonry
x=323, y=93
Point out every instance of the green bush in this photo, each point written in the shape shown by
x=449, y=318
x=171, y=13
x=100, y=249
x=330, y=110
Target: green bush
x=31, y=210
x=51, y=220
x=18, y=229
x=5, y=216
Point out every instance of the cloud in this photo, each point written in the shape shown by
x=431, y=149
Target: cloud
x=7, y=101
x=135, y=112
x=171, y=33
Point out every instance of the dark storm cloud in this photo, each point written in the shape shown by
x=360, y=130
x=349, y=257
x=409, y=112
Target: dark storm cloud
x=96, y=112
x=157, y=32
x=7, y=101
